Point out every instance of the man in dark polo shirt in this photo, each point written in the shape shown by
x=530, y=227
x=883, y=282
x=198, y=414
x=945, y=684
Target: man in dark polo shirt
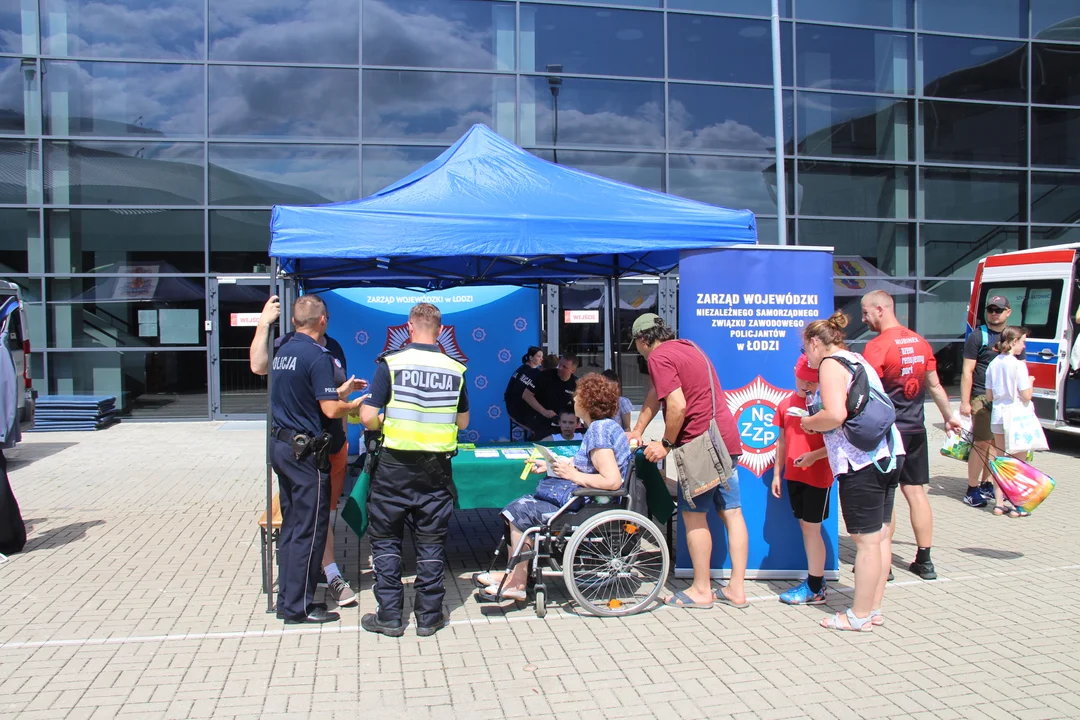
x=555, y=393
x=680, y=380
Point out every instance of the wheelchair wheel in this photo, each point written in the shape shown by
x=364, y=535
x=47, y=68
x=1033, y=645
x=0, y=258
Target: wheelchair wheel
x=616, y=563
x=540, y=598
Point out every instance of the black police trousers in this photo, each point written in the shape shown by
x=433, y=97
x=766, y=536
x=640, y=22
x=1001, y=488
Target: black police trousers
x=404, y=494
x=305, y=517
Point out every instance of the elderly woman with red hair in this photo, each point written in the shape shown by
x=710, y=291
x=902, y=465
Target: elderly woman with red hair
x=600, y=463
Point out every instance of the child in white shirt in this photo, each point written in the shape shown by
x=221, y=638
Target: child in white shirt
x=1007, y=383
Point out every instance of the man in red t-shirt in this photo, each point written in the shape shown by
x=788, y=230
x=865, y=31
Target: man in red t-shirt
x=801, y=459
x=680, y=377
x=906, y=365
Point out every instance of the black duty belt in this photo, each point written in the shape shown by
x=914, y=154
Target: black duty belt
x=284, y=434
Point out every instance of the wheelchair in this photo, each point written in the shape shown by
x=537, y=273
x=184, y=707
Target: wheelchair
x=613, y=559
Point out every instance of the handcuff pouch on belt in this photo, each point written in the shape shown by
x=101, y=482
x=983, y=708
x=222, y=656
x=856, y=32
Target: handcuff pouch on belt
x=303, y=444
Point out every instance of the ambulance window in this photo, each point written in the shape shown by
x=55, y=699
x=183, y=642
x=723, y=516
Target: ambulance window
x=1035, y=304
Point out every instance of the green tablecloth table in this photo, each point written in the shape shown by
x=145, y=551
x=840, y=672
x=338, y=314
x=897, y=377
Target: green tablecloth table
x=493, y=482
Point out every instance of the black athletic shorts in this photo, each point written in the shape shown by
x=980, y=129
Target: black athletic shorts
x=916, y=467
x=810, y=504
x=866, y=498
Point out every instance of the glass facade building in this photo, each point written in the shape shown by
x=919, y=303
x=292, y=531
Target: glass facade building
x=143, y=142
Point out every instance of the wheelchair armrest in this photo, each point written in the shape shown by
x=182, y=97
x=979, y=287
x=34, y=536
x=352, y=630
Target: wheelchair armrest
x=593, y=492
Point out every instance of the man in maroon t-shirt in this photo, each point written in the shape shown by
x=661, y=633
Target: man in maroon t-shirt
x=680, y=385
x=906, y=365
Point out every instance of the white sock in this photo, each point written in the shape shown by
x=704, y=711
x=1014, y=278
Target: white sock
x=332, y=572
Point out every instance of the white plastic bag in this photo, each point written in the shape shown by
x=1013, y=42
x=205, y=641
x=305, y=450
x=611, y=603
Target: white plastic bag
x=1023, y=431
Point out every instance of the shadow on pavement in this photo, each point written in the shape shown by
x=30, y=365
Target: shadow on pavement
x=63, y=535
x=29, y=453
x=991, y=553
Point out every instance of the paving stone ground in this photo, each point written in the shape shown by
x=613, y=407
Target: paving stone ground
x=139, y=596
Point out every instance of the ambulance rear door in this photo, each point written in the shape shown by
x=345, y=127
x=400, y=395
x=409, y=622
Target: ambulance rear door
x=1039, y=286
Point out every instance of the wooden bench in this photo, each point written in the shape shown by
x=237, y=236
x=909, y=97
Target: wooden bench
x=267, y=537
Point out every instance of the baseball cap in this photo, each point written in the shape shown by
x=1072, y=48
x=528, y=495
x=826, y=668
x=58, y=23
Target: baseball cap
x=803, y=371
x=997, y=300
x=643, y=323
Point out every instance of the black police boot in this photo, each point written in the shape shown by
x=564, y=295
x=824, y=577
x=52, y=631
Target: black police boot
x=373, y=624
x=429, y=630
x=315, y=616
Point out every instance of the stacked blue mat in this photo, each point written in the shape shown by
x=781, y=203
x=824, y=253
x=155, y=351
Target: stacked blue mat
x=66, y=413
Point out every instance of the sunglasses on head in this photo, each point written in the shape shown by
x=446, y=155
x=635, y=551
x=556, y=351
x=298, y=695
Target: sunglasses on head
x=995, y=309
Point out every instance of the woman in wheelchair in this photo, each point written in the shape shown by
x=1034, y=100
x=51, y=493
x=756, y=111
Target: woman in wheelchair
x=601, y=463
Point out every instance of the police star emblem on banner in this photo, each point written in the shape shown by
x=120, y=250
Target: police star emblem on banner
x=397, y=337
x=754, y=408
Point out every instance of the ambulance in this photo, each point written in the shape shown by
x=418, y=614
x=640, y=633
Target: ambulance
x=1043, y=288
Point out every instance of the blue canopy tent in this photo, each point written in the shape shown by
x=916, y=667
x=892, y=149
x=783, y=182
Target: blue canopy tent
x=488, y=212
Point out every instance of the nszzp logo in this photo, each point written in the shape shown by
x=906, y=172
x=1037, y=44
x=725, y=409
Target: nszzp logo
x=754, y=408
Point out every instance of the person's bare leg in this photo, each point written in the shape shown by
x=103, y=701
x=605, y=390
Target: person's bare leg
x=886, y=565
x=699, y=543
x=815, y=548
x=977, y=462
x=999, y=497
x=328, y=551
x=738, y=540
x=922, y=517
x=519, y=576
x=868, y=572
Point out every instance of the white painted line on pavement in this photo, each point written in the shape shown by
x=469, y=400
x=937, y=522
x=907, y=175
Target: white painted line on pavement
x=341, y=629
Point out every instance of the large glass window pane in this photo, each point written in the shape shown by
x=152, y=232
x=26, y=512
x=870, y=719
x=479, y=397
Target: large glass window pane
x=1054, y=20
x=969, y=133
x=876, y=249
x=613, y=113
x=125, y=241
x=642, y=169
x=239, y=241
x=29, y=287
x=124, y=99
x=720, y=49
x=1055, y=197
x=15, y=81
x=20, y=242
x=18, y=27
x=257, y=174
x=958, y=194
x=317, y=31
x=1004, y=18
x=386, y=164
x=855, y=126
x=141, y=311
x=854, y=190
x=885, y=13
x=762, y=8
x=465, y=34
x=409, y=105
x=592, y=41
x=955, y=250
x=727, y=181
x=152, y=385
x=718, y=117
x=973, y=68
x=1055, y=137
x=148, y=29
x=1055, y=74
x=942, y=311
x=1043, y=236
x=123, y=173
x=835, y=58
x=284, y=103
x=19, y=181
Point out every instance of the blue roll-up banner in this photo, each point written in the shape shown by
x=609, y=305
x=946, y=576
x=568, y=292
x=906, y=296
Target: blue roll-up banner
x=488, y=328
x=746, y=308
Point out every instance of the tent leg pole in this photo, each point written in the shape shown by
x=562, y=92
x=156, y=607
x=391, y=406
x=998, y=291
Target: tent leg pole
x=778, y=126
x=268, y=549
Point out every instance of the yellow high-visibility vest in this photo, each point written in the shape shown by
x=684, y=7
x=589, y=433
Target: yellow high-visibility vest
x=422, y=412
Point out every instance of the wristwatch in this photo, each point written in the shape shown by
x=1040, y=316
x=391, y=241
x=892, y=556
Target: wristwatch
x=667, y=445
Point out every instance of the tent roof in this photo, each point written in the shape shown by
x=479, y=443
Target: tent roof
x=486, y=211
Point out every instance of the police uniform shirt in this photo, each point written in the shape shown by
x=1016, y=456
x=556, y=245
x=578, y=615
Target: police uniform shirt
x=380, y=388
x=336, y=429
x=554, y=393
x=303, y=374
x=524, y=378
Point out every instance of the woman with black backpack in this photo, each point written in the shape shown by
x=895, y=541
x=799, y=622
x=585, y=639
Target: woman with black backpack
x=857, y=419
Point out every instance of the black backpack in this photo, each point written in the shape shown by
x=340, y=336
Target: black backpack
x=870, y=412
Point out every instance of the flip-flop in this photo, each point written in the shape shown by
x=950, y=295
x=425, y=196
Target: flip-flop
x=720, y=597
x=682, y=600
x=491, y=594
x=483, y=579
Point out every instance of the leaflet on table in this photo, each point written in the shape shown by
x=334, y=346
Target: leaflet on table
x=486, y=452
x=516, y=454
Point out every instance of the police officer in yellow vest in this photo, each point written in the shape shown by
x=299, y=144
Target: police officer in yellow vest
x=422, y=394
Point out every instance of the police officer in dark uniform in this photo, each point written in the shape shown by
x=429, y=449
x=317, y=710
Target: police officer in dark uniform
x=422, y=393
x=304, y=401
